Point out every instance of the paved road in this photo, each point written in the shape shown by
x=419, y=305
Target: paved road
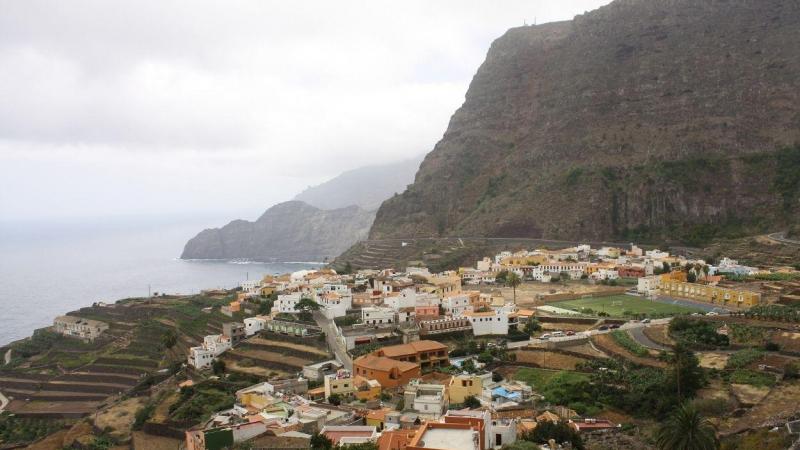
x=588, y=333
x=329, y=327
x=781, y=237
x=638, y=335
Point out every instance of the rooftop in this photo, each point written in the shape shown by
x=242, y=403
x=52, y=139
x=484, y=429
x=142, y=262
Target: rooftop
x=383, y=364
x=412, y=348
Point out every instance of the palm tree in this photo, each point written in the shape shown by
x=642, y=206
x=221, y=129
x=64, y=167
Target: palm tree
x=513, y=280
x=686, y=429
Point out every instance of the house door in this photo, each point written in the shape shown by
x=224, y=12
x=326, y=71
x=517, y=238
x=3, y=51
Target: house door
x=498, y=440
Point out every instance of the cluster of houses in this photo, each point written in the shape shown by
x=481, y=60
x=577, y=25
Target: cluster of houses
x=429, y=415
x=658, y=272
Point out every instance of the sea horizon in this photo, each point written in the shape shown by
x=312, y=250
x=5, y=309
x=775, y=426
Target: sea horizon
x=49, y=268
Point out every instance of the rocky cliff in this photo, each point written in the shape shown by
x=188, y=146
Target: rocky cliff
x=645, y=119
x=289, y=231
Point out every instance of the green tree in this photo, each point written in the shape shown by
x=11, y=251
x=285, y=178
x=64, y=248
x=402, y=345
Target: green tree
x=320, y=442
x=335, y=400
x=532, y=326
x=472, y=402
x=169, y=339
x=218, y=366
x=666, y=267
x=686, y=429
x=684, y=373
x=560, y=432
x=501, y=276
x=306, y=305
x=265, y=306
x=513, y=280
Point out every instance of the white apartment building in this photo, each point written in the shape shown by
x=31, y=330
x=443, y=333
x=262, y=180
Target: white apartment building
x=407, y=298
x=335, y=304
x=286, y=303
x=648, y=285
x=375, y=315
x=202, y=356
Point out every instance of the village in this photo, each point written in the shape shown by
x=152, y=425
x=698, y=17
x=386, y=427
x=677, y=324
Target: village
x=474, y=358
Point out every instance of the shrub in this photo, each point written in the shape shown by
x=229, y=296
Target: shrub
x=626, y=341
x=743, y=358
x=751, y=377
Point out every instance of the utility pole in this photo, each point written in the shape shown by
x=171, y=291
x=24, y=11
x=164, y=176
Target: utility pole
x=149, y=295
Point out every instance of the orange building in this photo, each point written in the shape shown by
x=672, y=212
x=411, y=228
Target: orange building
x=388, y=372
x=425, y=353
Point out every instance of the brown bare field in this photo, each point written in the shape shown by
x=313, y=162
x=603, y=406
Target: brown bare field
x=54, y=441
x=144, y=441
x=607, y=344
x=42, y=407
x=713, y=360
x=659, y=334
x=586, y=349
x=255, y=370
x=161, y=413
x=527, y=292
x=780, y=403
x=303, y=348
x=549, y=360
x=749, y=395
x=264, y=355
x=788, y=341
x=119, y=417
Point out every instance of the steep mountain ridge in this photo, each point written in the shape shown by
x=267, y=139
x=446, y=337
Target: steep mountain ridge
x=366, y=187
x=645, y=119
x=289, y=231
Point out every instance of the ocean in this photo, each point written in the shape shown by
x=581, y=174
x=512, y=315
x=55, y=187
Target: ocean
x=50, y=268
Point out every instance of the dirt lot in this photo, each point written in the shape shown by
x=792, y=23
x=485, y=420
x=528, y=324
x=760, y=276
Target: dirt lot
x=292, y=345
x=526, y=292
x=144, y=441
x=120, y=416
x=564, y=326
x=713, y=360
x=788, y=341
x=781, y=402
x=607, y=344
x=586, y=349
x=549, y=360
x=749, y=395
x=255, y=370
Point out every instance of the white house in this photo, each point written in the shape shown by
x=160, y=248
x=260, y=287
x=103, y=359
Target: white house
x=430, y=400
x=214, y=345
x=488, y=323
x=648, y=285
x=374, y=315
x=286, y=303
x=484, y=265
x=407, y=298
x=455, y=305
x=605, y=274
x=251, y=286
x=335, y=304
x=253, y=325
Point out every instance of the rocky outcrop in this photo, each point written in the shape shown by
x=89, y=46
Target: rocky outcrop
x=289, y=231
x=644, y=119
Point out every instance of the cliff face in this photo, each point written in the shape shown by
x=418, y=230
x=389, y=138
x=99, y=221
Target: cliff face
x=646, y=119
x=289, y=231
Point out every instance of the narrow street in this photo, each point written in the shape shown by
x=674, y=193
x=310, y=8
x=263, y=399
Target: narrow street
x=329, y=327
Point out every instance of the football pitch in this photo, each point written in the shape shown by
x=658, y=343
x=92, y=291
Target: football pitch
x=616, y=305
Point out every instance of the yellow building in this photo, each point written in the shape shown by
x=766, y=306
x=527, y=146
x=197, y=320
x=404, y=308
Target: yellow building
x=367, y=389
x=516, y=261
x=340, y=383
x=709, y=294
x=462, y=386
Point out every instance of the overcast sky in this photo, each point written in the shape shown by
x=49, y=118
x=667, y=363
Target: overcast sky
x=153, y=107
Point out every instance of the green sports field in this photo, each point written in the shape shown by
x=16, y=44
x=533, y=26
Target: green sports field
x=616, y=305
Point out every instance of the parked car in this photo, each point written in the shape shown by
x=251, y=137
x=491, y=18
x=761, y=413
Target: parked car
x=645, y=320
x=614, y=326
x=545, y=336
x=603, y=327
x=570, y=333
x=558, y=333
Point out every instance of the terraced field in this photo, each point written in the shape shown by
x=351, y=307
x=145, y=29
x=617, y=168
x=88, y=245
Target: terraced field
x=277, y=354
x=53, y=376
